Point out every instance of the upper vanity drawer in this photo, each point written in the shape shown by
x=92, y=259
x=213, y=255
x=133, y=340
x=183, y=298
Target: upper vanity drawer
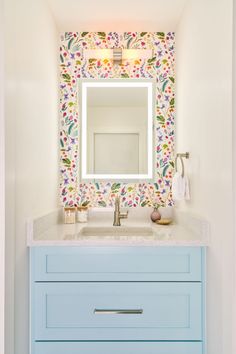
x=116, y=263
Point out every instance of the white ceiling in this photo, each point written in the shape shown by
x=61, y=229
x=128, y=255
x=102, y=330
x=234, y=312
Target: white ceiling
x=117, y=15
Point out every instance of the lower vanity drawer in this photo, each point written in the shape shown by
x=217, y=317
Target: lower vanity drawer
x=118, y=348
x=117, y=311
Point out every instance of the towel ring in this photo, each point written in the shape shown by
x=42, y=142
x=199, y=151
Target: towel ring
x=180, y=156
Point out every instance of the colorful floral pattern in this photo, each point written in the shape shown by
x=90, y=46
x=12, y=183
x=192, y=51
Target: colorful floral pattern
x=74, y=67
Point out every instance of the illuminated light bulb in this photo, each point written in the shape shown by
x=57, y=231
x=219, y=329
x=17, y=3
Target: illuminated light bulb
x=98, y=54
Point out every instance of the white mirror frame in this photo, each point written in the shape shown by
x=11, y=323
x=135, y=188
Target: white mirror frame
x=144, y=83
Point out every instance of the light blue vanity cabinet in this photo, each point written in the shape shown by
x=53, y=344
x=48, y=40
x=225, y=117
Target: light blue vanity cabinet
x=131, y=300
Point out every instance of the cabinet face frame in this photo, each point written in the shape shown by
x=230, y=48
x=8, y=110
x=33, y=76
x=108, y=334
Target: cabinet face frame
x=38, y=268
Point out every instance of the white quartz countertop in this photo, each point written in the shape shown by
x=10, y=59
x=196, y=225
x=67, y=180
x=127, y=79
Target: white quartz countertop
x=42, y=232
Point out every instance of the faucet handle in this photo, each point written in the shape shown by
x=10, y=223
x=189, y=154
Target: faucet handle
x=124, y=215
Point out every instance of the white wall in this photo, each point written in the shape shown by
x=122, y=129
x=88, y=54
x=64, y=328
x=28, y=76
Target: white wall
x=31, y=146
x=204, y=128
x=2, y=187
x=118, y=119
x=234, y=170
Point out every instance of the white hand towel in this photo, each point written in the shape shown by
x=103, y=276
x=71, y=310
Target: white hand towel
x=180, y=187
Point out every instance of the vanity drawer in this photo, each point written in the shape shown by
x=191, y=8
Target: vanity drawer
x=117, y=311
x=116, y=263
x=118, y=347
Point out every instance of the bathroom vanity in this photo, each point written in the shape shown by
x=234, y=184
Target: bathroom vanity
x=138, y=288
x=140, y=294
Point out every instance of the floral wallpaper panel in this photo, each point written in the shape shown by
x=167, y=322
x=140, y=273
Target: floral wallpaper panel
x=73, y=67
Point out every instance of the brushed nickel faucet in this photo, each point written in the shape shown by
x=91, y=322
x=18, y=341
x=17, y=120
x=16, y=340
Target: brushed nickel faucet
x=117, y=214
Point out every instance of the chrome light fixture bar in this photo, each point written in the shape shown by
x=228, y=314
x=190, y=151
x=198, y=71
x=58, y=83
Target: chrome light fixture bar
x=117, y=56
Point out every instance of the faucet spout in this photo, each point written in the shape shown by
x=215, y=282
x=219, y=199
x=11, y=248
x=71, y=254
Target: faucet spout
x=117, y=214
x=117, y=204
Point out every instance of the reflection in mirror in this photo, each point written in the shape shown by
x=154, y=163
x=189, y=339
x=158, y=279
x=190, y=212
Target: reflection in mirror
x=117, y=121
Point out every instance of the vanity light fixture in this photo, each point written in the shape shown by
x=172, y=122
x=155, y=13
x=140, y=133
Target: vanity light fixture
x=118, y=54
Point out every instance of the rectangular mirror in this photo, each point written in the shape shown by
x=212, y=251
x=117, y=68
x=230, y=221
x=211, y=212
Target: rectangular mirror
x=117, y=129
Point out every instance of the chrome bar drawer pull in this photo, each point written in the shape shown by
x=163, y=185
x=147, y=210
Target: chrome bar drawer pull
x=117, y=312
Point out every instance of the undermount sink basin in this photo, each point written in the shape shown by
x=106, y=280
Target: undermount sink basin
x=115, y=231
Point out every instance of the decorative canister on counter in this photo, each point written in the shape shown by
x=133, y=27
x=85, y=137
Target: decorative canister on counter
x=69, y=215
x=82, y=213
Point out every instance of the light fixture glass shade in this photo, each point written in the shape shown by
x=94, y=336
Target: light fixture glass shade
x=98, y=53
x=132, y=54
